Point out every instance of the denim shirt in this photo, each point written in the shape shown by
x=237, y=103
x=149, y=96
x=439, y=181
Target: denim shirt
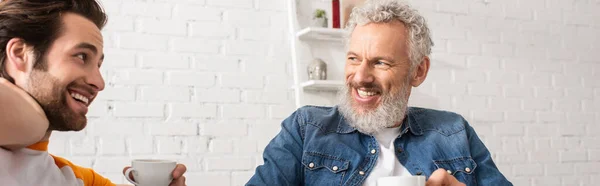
x=316, y=146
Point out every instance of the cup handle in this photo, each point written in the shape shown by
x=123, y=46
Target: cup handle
x=127, y=172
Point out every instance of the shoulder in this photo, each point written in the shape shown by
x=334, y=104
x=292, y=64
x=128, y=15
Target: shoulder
x=87, y=175
x=310, y=112
x=444, y=122
x=327, y=119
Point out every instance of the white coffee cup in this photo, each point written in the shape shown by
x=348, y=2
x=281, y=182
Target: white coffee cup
x=151, y=172
x=401, y=181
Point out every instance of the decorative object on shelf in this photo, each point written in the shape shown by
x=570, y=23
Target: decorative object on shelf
x=317, y=70
x=345, y=10
x=320, y=18
x=335, y=13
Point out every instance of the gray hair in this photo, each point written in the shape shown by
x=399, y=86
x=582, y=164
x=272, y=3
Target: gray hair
x=384, y=11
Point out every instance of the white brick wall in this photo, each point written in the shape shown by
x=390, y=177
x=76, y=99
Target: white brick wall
x=206, y=82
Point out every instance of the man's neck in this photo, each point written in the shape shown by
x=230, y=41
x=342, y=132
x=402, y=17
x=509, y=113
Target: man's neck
x=46, y=137
x=396, y=125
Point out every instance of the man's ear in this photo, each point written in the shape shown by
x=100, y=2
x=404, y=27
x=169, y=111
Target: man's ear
x=18, y=55
x=420, y=72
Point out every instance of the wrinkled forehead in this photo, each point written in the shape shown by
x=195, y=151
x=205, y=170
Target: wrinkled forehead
x=386, y=37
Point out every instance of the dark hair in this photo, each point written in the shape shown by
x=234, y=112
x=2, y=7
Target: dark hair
x=39, y=22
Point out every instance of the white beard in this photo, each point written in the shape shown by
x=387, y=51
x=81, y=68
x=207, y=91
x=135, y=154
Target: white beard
x=391, y=111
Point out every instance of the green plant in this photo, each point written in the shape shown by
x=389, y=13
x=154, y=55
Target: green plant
x=320, y=13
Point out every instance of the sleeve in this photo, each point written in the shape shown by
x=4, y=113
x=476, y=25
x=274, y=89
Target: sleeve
x=486, y=172
x=87, y=175
x=282, y=156
x=91, y=178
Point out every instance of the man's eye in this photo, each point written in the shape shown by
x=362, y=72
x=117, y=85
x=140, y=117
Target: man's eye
x=352, y=58
x=81, y=56
x=380, y=63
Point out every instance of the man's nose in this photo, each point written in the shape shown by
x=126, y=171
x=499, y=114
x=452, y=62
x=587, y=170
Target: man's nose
x=95, y=80
x=364, y=73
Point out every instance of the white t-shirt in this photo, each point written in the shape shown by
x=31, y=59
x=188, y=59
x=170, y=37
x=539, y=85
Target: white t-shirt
x=35, y=166
x=387, y=163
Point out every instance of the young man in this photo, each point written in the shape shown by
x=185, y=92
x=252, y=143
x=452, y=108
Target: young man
x=52, y=51
x=372, y=133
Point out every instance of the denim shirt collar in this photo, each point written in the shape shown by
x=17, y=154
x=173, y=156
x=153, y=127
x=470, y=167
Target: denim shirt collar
x=409, y=124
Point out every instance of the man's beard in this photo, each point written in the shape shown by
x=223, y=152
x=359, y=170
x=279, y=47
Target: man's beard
x=51, y=96
x=389, y=113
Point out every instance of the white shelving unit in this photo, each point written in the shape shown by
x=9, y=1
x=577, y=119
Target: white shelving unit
x=308, y=42
x=321, y=34
x=321, y=85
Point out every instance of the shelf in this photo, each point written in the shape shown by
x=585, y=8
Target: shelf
x=321, y=34
x=322, y=85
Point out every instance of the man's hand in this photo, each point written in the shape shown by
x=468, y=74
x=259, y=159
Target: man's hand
x=441, y=178
x=31, y=103
x=23, y=120
x=178, y=178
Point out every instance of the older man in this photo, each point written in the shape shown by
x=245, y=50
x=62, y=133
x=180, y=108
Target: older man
x=372, y=133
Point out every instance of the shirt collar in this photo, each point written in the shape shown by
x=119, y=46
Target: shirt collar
x=39, y=146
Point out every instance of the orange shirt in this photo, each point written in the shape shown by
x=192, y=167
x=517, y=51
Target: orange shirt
x=35, y=166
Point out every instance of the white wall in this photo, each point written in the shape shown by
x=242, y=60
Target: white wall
x=525, y=74
x=206, y=82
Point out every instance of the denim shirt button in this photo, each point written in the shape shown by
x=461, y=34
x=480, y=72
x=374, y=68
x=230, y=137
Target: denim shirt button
x=467, y=169
x=450, y=172
x=373, y=151
x=419, y=173
x=334, y=168
x=361, y=172
x=311, y=165
x=400, y=150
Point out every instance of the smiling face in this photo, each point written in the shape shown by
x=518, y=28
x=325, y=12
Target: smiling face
x=377, y=63
x=68, y=79
x=377, y=76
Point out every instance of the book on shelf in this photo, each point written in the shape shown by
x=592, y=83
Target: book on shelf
x=341, y=10
x=336, y=13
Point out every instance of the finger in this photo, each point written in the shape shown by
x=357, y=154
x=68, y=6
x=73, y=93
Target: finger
x=451, y=180
x=130, y=174
x=5, y=82
x=179, y=171
x=437, y=178
x=178, y=182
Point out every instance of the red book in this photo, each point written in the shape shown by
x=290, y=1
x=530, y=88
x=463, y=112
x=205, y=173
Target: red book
x=335, y=13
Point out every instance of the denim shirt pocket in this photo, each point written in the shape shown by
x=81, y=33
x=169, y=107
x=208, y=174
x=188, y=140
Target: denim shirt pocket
x=322, y=169
x=462, y=168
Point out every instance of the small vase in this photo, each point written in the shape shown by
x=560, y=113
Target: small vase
x=320, y=22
